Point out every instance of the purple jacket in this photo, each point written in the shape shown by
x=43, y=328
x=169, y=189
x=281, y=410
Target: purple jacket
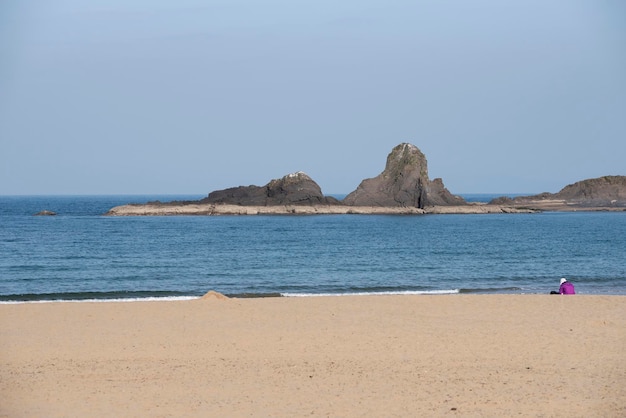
x=567, y=289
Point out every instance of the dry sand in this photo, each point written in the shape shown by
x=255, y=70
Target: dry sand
x=371, y=356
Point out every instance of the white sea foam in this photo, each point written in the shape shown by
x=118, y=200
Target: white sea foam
x=183, y=298
x=150, y=299
x=405, y=292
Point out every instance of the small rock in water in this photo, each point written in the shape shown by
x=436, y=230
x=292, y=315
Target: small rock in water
x=45, y=213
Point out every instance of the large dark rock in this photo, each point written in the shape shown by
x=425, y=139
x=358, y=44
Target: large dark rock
x=293, y=189
x=404, y=183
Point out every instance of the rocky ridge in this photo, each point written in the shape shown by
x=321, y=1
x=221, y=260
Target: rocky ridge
x=402, y=188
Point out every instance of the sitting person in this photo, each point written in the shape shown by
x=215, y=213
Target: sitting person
x=566, y=288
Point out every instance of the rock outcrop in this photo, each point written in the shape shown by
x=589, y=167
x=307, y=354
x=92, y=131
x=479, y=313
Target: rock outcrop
x=438, y=195
x=404, y=183
x=602, y=192
x=293, y=189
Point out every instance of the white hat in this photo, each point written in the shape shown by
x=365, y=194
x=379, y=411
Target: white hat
x=563, y=280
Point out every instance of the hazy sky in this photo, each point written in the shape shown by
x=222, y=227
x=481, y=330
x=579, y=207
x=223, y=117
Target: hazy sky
x=153, y=96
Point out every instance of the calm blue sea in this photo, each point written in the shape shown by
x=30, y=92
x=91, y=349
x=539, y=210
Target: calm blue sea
x=81, y=254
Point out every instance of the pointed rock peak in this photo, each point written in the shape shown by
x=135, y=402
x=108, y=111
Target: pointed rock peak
x=404, y=182
x=405, y=149
x=407, y=156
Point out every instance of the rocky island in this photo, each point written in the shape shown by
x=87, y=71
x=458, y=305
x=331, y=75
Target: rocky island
x=402, y=188
x=602, y=193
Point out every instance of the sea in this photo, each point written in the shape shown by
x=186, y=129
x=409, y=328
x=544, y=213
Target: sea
x=82, y=255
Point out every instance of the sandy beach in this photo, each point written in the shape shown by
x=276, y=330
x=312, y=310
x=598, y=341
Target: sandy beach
x=453, y=355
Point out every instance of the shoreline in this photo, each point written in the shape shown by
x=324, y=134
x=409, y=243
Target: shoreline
x=38, y=299
x=288, y=296
x=384, y=355
x=165, y=209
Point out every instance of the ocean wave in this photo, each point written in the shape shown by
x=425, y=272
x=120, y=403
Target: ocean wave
x=149, y=299
x=116, y=296
x=140, y=296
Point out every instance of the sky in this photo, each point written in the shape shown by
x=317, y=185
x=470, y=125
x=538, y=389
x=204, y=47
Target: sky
x=187, y=97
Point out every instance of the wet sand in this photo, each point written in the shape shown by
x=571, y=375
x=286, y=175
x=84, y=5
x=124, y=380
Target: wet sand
x=452, y=355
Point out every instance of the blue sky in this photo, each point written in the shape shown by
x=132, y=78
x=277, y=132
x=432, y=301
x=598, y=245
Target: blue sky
x=186, y=97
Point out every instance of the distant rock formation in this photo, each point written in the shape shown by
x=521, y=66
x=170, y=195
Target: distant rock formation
x=402, y=188
x=293, y=189
x=404, y=183
x=601, y=192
